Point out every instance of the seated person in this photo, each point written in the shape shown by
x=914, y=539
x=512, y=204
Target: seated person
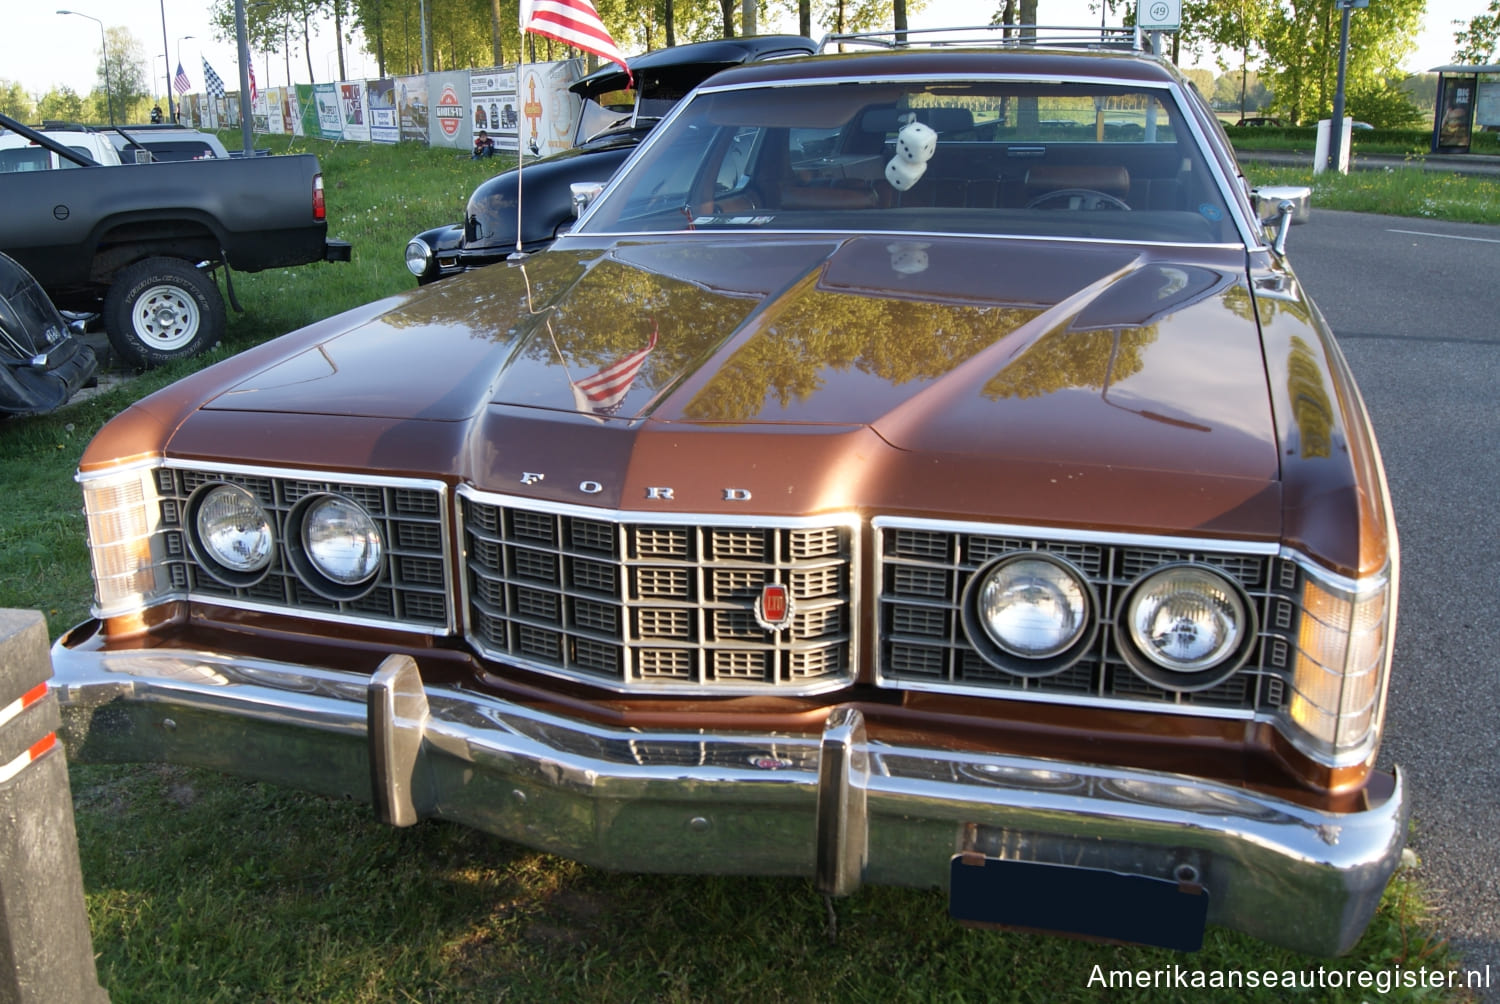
x=484, y=146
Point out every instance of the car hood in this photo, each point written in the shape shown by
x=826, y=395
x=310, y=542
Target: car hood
x=1009, y=350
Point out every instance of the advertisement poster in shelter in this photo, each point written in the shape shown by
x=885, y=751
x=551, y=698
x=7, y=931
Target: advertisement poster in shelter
x=380, y=102
x=411, y=106
x=1455, y=113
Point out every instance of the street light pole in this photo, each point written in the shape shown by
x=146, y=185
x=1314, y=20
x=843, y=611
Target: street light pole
x=1336, y=127
x=109, y=96
x=171, y=115
x=175, y=113
x=242, y=39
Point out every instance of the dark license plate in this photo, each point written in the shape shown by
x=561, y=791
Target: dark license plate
x=1084, y=902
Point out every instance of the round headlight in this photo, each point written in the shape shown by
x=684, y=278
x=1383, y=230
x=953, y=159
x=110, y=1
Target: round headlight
x=233, y=530
x=1187, y=619
x=1032, y=607
x=418, y=257
x=341, y=540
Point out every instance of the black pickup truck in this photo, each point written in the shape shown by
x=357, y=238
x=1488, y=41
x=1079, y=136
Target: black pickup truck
x=140, y=244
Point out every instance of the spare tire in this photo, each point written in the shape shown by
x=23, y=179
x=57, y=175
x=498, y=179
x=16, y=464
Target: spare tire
x=162, y=309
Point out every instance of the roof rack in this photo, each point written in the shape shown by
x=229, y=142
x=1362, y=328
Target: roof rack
x=1020, y=36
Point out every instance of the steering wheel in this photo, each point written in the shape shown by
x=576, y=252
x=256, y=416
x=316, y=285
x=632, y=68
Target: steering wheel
x=1077, y=198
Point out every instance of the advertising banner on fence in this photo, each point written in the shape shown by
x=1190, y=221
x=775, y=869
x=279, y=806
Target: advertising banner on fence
x=307, y=112
x=330, y=124
x=411, y=106
x=493, y=95
x=450, y=110
x=259, y=109
x=549, y=111
x=275, y=111
x=290, y=111
x=380, y=100
x=356, y=123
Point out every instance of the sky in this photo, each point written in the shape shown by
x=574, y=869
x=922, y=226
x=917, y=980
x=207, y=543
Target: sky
x=41, y=49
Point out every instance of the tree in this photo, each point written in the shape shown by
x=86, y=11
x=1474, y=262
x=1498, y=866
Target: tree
x=14, y=101
x=1478, y=39
x=1245, y=92
x=122, y=75
x=61, y=104
x=1301, y=43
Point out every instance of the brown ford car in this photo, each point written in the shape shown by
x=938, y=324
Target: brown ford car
x=915, y=467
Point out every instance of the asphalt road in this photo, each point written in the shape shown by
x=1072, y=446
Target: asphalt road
x=1415, y=305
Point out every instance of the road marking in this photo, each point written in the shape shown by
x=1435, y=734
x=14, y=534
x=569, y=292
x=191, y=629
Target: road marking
x=1451, y=237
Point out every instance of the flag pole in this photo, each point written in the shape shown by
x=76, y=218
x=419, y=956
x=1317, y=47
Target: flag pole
x=524, y=7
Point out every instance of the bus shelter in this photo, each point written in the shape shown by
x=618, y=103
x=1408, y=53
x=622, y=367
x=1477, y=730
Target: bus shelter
x=1468, y=98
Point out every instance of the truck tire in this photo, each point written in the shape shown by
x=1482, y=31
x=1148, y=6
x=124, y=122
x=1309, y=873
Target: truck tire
x=162, y=309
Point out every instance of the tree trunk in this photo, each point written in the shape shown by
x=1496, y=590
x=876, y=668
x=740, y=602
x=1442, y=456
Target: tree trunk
x=804, y=17
x=307, y=48
x=338, y=35
x=497, y=54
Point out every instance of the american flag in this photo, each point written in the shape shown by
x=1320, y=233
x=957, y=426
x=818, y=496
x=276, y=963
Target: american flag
x=605, y=391
x=181, y=80
x=572, y=22
x=251, y=68
x=211, y=81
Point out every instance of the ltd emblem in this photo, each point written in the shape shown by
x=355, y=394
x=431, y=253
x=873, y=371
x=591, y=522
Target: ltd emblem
x=773, y=607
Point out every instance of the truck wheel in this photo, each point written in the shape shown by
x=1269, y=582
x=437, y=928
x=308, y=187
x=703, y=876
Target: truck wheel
x=162, y=309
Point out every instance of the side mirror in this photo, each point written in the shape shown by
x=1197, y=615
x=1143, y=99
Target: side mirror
x=584, y=194
x=1280, y=206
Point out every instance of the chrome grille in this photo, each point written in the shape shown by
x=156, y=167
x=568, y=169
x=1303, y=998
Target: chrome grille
x=925, y=569
x=411, y=589
x=649, y=604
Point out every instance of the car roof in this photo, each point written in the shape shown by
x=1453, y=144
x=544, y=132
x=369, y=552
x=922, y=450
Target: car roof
x=722, y=52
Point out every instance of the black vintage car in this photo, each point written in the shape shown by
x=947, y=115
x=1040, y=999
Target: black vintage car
x=606, y=134
x=41, y=362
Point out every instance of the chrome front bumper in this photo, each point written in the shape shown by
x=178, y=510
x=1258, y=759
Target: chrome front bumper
x=836, y=807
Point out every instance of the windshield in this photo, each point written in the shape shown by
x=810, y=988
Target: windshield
x=604, y=112
x=986, y=157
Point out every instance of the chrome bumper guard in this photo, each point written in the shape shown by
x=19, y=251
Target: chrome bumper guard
x=838, y=808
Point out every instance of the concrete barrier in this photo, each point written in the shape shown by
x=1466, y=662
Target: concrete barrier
x=46, y=950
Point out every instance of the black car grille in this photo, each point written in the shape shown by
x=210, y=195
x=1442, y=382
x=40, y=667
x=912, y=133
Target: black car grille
x=924, y=571
x=645, y=605
x=410, y=590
